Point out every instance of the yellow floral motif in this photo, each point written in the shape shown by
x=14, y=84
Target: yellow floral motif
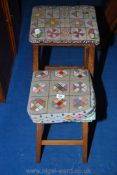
x=52, y=22
x=65, y=33
x=77, y=23
x=39, y=14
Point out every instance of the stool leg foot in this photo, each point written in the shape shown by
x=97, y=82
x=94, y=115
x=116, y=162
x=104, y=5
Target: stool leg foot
x=85, y=142
x=38, y=142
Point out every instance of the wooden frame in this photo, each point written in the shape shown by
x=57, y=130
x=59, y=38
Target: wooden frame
x=89, y=54
x=83, y=142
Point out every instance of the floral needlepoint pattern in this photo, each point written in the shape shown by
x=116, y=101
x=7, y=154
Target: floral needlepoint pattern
x=61, y=73
x=37, y=104
x=65, y=33
x=92, y=33
x=59, y=103
x=64, y=95
x=52, y=22
x=60, y=87
x=53, y=33
x=64, y=12
x=36, y=33
x=80, y=73
x=78, y=23
x=39, y=13
x=39, y=87
x=80, y=102
x=78, y=34
x=64, y=24
x=90, y=24
x=42, y=74
x=79, y=87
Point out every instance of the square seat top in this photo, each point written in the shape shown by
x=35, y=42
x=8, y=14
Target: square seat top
x=61, y=96
x=64, y=24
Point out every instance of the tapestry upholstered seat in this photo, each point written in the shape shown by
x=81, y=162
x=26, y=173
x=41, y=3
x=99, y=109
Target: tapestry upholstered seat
x=61, y=96
x=64, y=24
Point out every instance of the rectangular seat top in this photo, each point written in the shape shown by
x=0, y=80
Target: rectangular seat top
x=61, y=96
x=64, y=24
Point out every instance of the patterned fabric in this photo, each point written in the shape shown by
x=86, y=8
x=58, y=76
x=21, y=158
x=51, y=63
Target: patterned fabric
x=60, y=87
x=61, y=73
x=37, y=104
x=64, y=24
x=79, y=87
x=80, y=73
x=59, y=103
x=42, y=74
x=61, y=96
x=39, y=87
x=80, y=102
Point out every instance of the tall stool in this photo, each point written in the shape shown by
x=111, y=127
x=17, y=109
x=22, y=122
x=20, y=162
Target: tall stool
x=63, y=26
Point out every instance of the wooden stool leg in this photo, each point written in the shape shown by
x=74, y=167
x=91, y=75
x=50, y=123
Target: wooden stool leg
x=38, y=142
x=35, y=57
x=86, y=57
x=91, y=59
x=85, y=141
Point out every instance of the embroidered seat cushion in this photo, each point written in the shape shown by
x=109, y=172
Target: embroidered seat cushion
x=61, y=96
x=64, y=24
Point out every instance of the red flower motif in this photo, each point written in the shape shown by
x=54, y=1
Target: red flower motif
x=78, y=33
x=53, y=33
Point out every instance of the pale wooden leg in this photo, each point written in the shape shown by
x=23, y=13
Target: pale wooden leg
x=35, y=57
x=85, y=141
x=38, y=142
x=91, y=59
x=86, y=57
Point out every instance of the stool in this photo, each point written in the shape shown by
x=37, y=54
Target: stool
x=64, y=26
x=61, y=94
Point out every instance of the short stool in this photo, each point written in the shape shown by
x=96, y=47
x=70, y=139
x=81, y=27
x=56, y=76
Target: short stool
x=61, y=94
